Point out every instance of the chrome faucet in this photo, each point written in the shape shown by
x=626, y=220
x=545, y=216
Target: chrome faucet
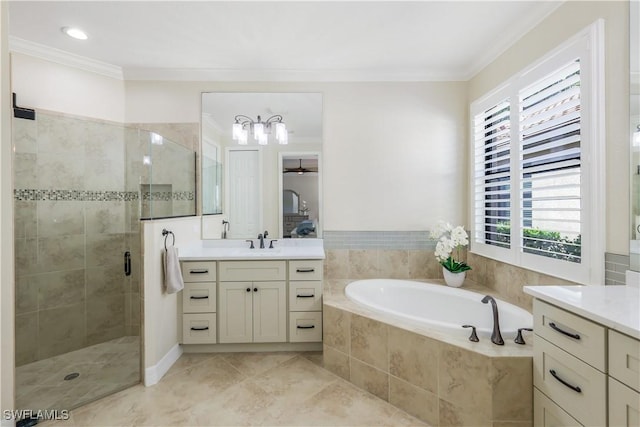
x=496, y=338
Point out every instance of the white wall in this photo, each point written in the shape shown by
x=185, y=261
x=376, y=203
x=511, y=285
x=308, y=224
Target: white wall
x=567, y=20
x=160, y=310
x=6, y=228
x=50, y=86
x=384, y=146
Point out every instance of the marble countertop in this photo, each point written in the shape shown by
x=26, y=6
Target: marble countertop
x=239, y=250
x=617, y=307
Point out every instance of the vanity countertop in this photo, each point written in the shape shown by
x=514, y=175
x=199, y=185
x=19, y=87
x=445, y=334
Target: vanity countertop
x=617, y=307
x=239, y=250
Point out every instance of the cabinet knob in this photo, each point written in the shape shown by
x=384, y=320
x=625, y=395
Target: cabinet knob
x=255, y=289
x=248, y=289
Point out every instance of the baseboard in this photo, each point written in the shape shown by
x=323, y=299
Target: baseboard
x=251, y=347
x=153, y=374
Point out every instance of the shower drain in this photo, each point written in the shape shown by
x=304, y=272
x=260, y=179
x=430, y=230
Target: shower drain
x=71, y=376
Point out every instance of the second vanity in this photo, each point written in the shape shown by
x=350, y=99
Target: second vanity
x=586, y=355
x=237, y=298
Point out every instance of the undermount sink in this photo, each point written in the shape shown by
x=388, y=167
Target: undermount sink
x=256, y=252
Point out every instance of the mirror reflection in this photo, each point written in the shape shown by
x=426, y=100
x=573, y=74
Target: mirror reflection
x=255, y=146
x=300, y=195
x=634, y=122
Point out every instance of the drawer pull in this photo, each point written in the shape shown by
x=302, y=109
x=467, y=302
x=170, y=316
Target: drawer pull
x=206, y=328
x=572, y=387
x=305, y=270
x=201, y=297
x=305, y=327
x=199, y=271
x=569, y=334
x=305, y=296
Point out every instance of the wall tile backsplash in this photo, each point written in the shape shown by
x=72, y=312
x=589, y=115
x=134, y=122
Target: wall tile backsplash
x=410, y=255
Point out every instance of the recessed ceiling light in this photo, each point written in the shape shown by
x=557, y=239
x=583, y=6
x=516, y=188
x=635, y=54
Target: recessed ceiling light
x=76, y=33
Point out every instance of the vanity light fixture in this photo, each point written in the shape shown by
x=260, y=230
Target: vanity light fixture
x=243, y=125
x=74, y=32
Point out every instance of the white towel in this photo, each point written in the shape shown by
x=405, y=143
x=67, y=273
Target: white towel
x=172, y=274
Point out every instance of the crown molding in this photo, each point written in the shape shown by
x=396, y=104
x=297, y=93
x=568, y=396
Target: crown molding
x=524, y=26
x=286, y=75
x=26, y=47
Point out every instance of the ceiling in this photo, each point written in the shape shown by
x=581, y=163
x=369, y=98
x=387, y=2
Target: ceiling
x=285, y=40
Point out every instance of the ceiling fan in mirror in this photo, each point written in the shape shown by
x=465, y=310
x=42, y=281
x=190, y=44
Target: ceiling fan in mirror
x=300, y=170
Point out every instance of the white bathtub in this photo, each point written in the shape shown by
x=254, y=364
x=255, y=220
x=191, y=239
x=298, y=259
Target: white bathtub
x=437, y=306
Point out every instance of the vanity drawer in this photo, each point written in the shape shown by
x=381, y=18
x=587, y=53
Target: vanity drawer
x=305, y=270
x=575, y=386
x=199, y=328
x=305, y=326
x=305, y=296
x=624, y=405
x=198, y=271
x=548, y=414
x=250, y=271
x=199, y=297
x=576, y=335
x=624, y=359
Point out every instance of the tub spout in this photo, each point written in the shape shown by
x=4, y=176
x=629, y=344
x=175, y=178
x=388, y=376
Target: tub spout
x=496, y=337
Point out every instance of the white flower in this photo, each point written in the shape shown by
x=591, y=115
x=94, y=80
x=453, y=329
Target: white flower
x=459, y=236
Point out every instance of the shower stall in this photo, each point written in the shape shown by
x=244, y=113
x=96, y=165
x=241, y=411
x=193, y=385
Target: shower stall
x=81, y=187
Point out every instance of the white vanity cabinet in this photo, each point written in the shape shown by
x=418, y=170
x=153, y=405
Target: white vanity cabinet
x=252, y=302
x=199, y=302
x=305, y=301
x=624, y=380
x=585, y=374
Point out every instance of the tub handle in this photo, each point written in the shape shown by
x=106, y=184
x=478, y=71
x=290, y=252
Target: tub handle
x=473, y=337
x=562, y=331
x=519, y=339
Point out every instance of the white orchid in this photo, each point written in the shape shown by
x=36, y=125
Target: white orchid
x=449, y=239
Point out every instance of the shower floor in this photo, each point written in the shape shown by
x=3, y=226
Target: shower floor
x=104, y=369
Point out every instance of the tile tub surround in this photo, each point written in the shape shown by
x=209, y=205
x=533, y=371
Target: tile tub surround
x=439, y=379
x=500, y=278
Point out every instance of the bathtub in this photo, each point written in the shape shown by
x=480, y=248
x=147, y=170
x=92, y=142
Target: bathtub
x=436, y=306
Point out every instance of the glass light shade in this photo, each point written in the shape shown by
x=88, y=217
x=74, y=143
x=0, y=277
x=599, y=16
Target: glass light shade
x=263, y=139
x=284, y=140
x=281, y=131
x=258, y=131
x=237, y=131
x=243, y=137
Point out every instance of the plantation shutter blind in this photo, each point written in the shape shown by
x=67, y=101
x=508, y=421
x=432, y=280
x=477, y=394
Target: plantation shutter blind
x=550, y=165
x=492, y=177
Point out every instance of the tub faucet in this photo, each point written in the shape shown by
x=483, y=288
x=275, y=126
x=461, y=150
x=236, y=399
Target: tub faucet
x=496, y=338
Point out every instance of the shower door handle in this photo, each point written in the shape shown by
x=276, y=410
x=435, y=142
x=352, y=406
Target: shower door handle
x=127, y=263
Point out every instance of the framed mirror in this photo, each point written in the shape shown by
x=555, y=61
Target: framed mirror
x=244, y=135
x=634, y=122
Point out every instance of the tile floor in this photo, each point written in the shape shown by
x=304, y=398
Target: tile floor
x=104, y=368
x=243, y=389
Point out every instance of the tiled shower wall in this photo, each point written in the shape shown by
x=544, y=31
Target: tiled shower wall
x=410, y=255
x=73, y=223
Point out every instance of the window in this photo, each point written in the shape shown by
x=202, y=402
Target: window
x=538, y=165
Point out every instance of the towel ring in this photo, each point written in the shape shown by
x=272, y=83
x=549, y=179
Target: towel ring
x=166, y=233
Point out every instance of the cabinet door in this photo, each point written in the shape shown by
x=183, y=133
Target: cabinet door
x=624, y=405
x=234, y=312
x=269, y=312
x=548, y=414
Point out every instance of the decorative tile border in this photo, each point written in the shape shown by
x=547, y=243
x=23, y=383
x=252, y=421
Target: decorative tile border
x=615, y=267
x=167, y=196
x=389, y=240
x=74, y=195
x=33, y=195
